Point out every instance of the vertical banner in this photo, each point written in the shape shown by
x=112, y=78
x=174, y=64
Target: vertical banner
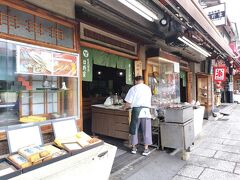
x=219, y=73
x=87, y=64
x=138, y=68
x=129, y=72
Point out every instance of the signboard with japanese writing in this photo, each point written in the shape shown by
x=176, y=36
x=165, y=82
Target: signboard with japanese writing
x=217, y=14
x=87, y=62
x=138, y=68
x=219, y=73
x=42, y=61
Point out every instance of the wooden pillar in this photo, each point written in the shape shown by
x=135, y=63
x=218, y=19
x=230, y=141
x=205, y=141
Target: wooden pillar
x=70, y=98
x=145, y=73
x=189, y=87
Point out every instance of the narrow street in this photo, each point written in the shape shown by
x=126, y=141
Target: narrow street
x=215, y=156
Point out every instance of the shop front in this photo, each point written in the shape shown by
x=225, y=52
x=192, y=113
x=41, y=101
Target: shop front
x=40, y=95
x=39, y=67
x=107, y=74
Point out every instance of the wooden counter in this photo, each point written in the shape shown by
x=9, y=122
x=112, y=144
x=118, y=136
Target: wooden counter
x=110, y=121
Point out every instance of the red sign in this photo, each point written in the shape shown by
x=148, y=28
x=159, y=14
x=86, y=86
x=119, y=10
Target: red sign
x=219, y=73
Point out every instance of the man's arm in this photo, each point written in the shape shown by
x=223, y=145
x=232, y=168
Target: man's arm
x=126, y=106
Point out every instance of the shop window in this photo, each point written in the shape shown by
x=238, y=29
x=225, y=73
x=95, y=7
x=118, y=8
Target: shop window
x=31, y=86
x=3, y=19
x=43, y=32
x=66, y=39
x=21, y=23
x=163, y=78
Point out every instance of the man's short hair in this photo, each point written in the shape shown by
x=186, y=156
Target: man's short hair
x=138, y=78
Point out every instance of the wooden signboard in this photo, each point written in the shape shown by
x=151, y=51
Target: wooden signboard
x=138, y=68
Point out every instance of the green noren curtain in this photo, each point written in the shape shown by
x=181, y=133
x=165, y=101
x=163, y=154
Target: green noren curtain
x=108, y=60
x=87, y=61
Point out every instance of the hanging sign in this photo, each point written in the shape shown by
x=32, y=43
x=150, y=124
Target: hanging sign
x=138, y=68
x=129, y=77
x=87, y=64
x=39, y=61
x=219, y=73
x=217, y=14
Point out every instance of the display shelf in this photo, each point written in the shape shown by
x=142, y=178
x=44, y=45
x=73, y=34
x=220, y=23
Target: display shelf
x=204, y=85
x=47, y=122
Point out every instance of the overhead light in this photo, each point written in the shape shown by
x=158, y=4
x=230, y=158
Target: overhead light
x=198, y=47
x=121, y=73
x=99, y=73
x=140, y=9
x=194, y=46
x=163, y=21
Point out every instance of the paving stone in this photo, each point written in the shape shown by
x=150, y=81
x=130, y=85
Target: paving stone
x=214, y=140
x=235, y=131
x=237, y=169
x=221, y=147
x=211, y=174
x=231, y=142
x=203, y=152
x=177, y=177
x=211, y=163
x=227, y=156
x=191, y=171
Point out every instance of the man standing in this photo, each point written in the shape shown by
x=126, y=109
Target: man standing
x=139, y=99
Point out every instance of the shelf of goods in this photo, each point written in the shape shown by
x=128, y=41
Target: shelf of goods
x=204, y=92
x=72, y=155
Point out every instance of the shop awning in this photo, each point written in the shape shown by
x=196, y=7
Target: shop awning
x=195, y=11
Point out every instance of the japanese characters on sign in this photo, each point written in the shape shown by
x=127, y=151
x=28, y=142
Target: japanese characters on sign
x=219, y=74
x=86, y=65
x=217, y=14
x=138, y=68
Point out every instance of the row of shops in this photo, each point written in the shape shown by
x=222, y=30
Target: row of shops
x=53, y=66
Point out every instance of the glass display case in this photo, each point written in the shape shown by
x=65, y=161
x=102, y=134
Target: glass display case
x=36, y=82
x=205, y=92
x=163, y=78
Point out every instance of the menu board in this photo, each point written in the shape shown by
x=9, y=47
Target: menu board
x=40, y=61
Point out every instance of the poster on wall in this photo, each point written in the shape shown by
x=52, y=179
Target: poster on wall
x=34, y=61
x=219, y=73
x=64, y=63
x=31, y=60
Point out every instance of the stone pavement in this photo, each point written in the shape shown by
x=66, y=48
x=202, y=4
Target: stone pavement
x=215, y=156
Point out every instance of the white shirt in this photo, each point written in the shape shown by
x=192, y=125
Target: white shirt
x=140, y=95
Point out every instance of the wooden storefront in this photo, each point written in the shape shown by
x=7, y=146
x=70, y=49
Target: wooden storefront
x=29, y=26
x=111, y=51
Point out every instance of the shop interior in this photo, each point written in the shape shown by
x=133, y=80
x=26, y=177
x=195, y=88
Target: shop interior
x=106, y=82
